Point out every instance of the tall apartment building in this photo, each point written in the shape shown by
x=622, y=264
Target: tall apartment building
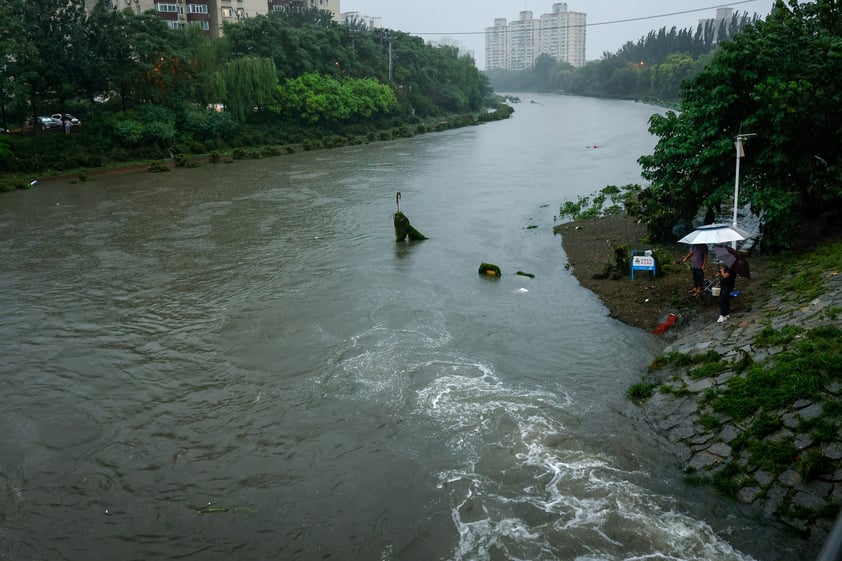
x=460, y=47
x=563, y=35
x=515, y=46
x=361, y=18
x=524, y=41
x=723, y=15
x=497, y=44
x=211, y=14
x=331, y=6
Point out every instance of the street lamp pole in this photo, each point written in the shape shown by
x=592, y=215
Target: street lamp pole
x=390, y=59
x=738, y=144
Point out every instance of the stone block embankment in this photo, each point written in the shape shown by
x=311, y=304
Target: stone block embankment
x=728, y=399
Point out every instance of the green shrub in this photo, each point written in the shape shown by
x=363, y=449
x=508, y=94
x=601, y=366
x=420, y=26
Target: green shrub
x=205, y=124
x=182, y=161
x=641, y=391
x=823, y=429
x=812, y=464
x=158, y=132
x=709, y=422
x=270, y=151
x=708, y=370
x=402, y=132
x=129, y=133
x=680, y=360
x=833, y=408
x=764, y=425
x=312, y=144
x=334, y=141
x=6, y=153
x=745, y=362
x=771, y=337
x=726, y=482
x=695, y=480
x=772, y=456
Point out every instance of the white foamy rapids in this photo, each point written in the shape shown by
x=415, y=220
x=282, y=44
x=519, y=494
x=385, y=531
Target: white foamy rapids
x=528, y=489
x=383, y=360
x=527, y=486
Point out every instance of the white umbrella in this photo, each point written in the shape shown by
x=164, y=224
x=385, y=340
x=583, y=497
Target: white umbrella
x=715, y=233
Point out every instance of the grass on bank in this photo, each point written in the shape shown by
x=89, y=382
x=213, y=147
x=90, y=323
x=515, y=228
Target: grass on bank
x=798, y=276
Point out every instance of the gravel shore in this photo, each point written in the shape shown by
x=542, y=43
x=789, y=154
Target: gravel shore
x=648, y=300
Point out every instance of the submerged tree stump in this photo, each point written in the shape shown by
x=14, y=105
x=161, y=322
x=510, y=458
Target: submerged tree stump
x=403, y=229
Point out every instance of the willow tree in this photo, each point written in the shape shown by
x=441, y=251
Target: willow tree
x=316, y=98
x=246, y=83
x=206, y=57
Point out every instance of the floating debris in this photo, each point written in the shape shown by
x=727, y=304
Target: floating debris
x=211, y=509
x=489, y=270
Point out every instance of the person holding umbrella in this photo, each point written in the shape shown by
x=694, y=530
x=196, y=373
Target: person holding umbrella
x=737, y=263
x=726, y=284
x=698, y=256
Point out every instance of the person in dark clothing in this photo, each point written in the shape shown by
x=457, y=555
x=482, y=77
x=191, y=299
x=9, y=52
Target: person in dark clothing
x=726, y=285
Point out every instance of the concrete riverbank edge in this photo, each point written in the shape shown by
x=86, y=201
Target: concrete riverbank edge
x=803, y=488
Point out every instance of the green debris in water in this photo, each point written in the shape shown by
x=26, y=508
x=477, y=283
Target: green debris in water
x=489, y=269
x=211, y=509
x=404, y=230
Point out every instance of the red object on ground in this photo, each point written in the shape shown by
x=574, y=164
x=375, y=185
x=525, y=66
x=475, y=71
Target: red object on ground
x=671, y=319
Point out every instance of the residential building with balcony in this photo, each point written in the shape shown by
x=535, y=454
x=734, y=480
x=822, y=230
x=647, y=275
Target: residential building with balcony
x=516, y=45
x=563, y=35
x=331, y=6
x=209, y=15
x=497, y=44
x=723, y=16
x=361, y=18
x=524, y=41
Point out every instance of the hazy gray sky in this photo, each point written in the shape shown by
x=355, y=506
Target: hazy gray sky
x=466, y=21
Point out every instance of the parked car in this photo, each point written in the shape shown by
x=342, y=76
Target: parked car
x=74, y=122
x=43, y=122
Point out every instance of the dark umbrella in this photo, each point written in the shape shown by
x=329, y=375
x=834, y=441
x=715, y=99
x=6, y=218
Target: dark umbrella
x=735, y=261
